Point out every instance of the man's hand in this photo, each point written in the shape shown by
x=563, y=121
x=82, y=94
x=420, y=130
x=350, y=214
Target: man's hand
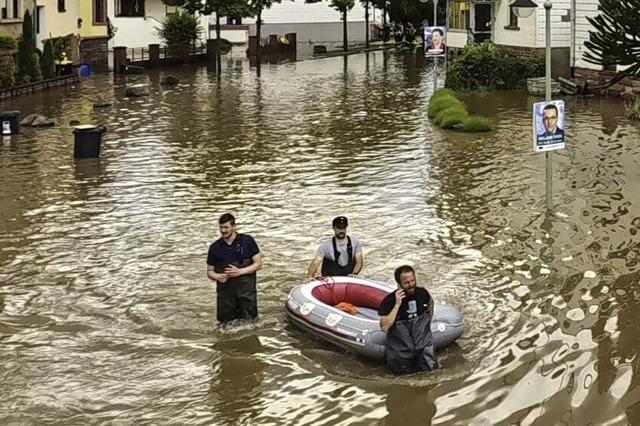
x=400, y=294
x=231, y=271
x=222, y=278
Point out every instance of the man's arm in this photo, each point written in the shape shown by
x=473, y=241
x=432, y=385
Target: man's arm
x=211, y=273
x=313, y=267
x=359, y=262
x=387, y=321
x=233, y=271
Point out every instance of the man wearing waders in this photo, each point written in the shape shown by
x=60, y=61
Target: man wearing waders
x=232, y=263
x=405, y=315
x=340, y=255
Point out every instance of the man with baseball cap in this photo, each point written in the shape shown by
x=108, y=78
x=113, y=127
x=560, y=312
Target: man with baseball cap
x=340, y=256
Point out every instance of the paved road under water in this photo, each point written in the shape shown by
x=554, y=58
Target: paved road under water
x=106, y=314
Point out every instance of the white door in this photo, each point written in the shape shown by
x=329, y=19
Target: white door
x=41, y=27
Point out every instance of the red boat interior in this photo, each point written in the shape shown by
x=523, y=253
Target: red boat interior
x=359, y=295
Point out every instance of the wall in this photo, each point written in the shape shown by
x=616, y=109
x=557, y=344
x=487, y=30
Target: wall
x=584, y=9
x=297, y=11
x=60, y=23
x=88, y=29
x=457, y=38
x=316, y=32
x=526, y=34
x=560, y=24
x=12, y=26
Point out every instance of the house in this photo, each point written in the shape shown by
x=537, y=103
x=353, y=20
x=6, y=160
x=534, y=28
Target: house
x=480, y=20
x=11, y=13
x=317, y=22
x=136, y=22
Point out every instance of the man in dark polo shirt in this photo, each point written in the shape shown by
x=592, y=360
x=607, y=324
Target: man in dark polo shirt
x=232, y=263
x=405, y=315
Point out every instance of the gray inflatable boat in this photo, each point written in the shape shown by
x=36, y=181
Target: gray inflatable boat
x=312, y=307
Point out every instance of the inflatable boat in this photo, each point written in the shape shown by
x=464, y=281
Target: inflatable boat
x=312, y=307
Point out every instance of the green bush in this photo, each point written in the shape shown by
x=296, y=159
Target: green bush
x=8, y=72
x=48, y=60
x=441, y=103
x=180, y=29
x=489, y=67
x=446, y=116
x=475, y=124
x=225, y=45
x=442, y=92
x=28, y=63
x=8, y=42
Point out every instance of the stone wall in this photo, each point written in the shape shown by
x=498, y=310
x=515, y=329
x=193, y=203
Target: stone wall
x=625, y=88
x=95, y=52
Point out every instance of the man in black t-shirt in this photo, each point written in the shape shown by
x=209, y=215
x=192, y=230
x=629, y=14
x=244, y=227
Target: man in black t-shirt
x=405, y=315
x=232, y=263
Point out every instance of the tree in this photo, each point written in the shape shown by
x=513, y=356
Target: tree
x=365, y=3
x=28, y=62
x=258, y=6
x=343, y=6
x=48, y=60
x=616, y=40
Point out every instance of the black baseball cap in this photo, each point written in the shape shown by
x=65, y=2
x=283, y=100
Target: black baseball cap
x=340, y=222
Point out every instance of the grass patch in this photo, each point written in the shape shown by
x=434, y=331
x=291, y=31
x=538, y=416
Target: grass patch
x=436, y=106
x=476, y=124
x=449, y=112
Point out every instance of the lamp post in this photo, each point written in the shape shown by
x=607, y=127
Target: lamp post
x=524, y=9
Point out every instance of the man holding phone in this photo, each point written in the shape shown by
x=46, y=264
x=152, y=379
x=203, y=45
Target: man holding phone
x=405, y=315
x=232, y=262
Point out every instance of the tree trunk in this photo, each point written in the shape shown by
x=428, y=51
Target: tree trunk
x=258, y=28
x=366, y=23
x=385, y=31
x=345, y=46
x=218, y=32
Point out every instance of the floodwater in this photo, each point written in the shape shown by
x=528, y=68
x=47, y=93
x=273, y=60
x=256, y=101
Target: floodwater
x=106, y=314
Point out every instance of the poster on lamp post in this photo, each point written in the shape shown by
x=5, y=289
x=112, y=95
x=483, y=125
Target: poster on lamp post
x=434, y=41
x=548, y=126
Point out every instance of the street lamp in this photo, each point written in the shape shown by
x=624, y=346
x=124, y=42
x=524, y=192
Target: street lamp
x=523, y=8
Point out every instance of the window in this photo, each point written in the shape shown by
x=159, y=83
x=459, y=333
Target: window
x=459, y=18
x=61, y=7
x=5, y=9
x=513, y=21
x=16, y=9
x=99, y=11
x=130, y=8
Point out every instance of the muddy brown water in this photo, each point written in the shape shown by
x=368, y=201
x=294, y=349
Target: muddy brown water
x=106, y=314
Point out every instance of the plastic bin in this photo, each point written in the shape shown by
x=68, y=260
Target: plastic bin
x=9, y=121
x=85, y=70
x=87, y=139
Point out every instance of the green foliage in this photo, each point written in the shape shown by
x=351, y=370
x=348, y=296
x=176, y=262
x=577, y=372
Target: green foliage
x=225, y=45
x=489, y=67
x=449, y=112
x=180, y=29
x=441, y=103
x=60, y=46
x=442, y=92
x=48, y=60
x=8, y=72
x=475, y=124
x=446, y=115
x=8, y=42
x=28, y=63
x=342, y=5
x=616, y=39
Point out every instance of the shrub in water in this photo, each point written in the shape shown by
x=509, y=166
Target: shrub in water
x=441, y=103
x=180, y=29
x=442, y=92
x=451, y=117
x=475, y=124
x=48, y=60
x=8, y=73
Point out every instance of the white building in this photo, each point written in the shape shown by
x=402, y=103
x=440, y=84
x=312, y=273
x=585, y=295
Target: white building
x=482, y=19
x=136, y=22
x=317, y=22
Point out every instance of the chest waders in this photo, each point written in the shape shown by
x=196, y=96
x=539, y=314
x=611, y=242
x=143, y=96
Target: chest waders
x=409, y=346
x=237, y=298
x=331, y=268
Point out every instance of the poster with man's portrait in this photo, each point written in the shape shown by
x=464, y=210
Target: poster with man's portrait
x=548, y=126
x=434, y=41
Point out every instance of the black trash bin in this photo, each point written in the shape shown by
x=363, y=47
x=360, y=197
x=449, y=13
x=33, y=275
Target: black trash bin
x=87, y=139
x=10, y=122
